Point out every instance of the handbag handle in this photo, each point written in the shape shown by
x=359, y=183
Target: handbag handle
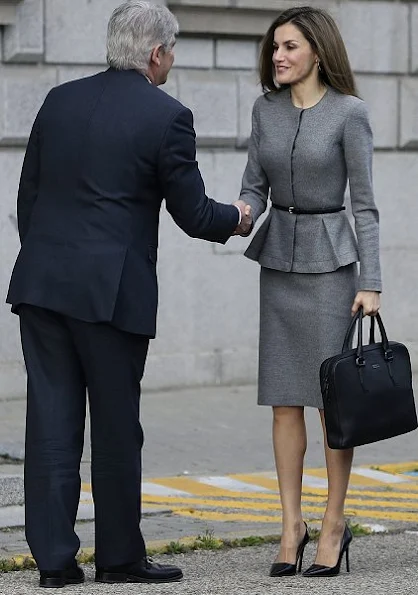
x=358, y=319
x=372, y=329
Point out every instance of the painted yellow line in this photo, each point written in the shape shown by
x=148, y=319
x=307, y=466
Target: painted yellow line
x=186, y=484
x=257, y=505
x=403, y=487
x=271, y=484
x=391, y=494
x=355, y=479
x=410, y=517
x=180, y=501
x=382, y=504
x=251, y=518
x=162, y=506
x=397, y=468
x=258, y=480
x=306, y=495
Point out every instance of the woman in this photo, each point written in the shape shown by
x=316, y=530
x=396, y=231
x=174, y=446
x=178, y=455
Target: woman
x=310, y=133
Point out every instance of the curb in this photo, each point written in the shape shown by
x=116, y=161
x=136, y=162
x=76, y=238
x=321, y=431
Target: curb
x=184, y=545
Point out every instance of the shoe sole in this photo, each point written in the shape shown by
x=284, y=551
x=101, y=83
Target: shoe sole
x=51, y=583
x=112, y=579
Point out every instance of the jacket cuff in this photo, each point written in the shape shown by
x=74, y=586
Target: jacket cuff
x=369, y=284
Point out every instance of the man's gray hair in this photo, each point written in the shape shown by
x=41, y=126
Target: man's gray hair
x=135, y=28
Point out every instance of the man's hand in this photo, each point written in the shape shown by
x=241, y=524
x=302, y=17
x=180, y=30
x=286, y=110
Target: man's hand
x=370, y=300
x=246, y=225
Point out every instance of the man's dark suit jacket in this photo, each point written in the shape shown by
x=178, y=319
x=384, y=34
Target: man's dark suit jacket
x=103, y=153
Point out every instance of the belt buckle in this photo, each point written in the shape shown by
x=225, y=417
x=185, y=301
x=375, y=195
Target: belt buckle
x=291, y=209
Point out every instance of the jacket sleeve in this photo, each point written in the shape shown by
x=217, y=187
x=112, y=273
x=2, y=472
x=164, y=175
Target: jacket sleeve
x=183, y=187
x=358, y=150
x=255, y=185
x=29, y=180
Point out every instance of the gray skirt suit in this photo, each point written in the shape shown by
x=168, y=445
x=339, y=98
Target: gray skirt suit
x=309, y=272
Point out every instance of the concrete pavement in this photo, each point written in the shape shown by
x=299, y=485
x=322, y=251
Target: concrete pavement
x=380, y=565
x=208, y=466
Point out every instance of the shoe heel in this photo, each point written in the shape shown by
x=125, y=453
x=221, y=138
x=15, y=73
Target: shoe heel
x=111, y=577
x=300, y=561
x=52, y=582
x=347, y=560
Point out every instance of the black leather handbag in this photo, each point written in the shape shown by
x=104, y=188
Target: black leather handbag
x=367, y=391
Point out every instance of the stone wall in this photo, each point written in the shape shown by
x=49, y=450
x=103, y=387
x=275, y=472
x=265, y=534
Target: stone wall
x=208, y=318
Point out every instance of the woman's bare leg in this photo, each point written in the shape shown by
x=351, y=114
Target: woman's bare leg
x=289, y=443
x=338, y=468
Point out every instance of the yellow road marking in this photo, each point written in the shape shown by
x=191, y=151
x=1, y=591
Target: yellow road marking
x=306, y=494
x=231, y=516
x=258, y=480
x=397, y=468
x=271, y=484
x=254, y=505
x=354, y=478
x=186, y=484
x=390, y=494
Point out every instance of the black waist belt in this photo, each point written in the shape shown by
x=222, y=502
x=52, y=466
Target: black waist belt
x=297, y=211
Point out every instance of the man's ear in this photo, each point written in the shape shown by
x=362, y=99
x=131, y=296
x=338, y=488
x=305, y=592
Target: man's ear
x=155, y=55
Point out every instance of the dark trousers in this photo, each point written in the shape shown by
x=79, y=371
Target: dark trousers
x=63, y=357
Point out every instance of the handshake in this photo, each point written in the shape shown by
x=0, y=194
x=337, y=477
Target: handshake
x=245, y=226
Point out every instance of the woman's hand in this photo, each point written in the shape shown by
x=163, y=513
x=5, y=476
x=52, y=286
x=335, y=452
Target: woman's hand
x=370, y=300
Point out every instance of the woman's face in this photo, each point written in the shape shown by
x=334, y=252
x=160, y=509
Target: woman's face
x=293, y=57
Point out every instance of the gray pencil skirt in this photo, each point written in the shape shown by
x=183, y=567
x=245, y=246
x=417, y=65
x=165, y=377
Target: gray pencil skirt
x=303, y=320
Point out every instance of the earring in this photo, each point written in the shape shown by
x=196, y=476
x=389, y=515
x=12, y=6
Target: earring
x=317, y=62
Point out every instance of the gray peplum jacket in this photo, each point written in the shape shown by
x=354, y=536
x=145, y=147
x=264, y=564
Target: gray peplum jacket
x=303, y=158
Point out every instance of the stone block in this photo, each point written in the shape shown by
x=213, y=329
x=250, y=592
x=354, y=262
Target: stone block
x=12, y=377
x=376, y=35
x=171, y=86
x=196, y=289
x=278, y=4
x=236, y=54
x=24, y=41
x=249, y=89
x=165, y=371
x=414, y=40
x=381, y=96
x=409, y=113
x=12, y=385
x=8, y=11
x=395, y=184
x=77, y=35
x=400, y=281
x=194, y=53
x=210, y=3
x=233, y=21
x=240, y=366
x=212, y=97
x=228, y=168
x=22, y=92
x=71, y=73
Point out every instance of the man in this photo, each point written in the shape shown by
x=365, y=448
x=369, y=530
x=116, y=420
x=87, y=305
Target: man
x=103, y=153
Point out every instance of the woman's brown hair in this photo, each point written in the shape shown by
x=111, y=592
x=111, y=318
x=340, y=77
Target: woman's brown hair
x=321, y=31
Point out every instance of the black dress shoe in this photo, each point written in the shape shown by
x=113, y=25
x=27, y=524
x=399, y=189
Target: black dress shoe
x=286, y=568
x=59, y=578
x=144, y=571
x=320, y=570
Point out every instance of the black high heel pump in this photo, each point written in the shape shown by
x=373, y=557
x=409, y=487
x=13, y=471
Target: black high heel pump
x=286, y=569
x=319, y=570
